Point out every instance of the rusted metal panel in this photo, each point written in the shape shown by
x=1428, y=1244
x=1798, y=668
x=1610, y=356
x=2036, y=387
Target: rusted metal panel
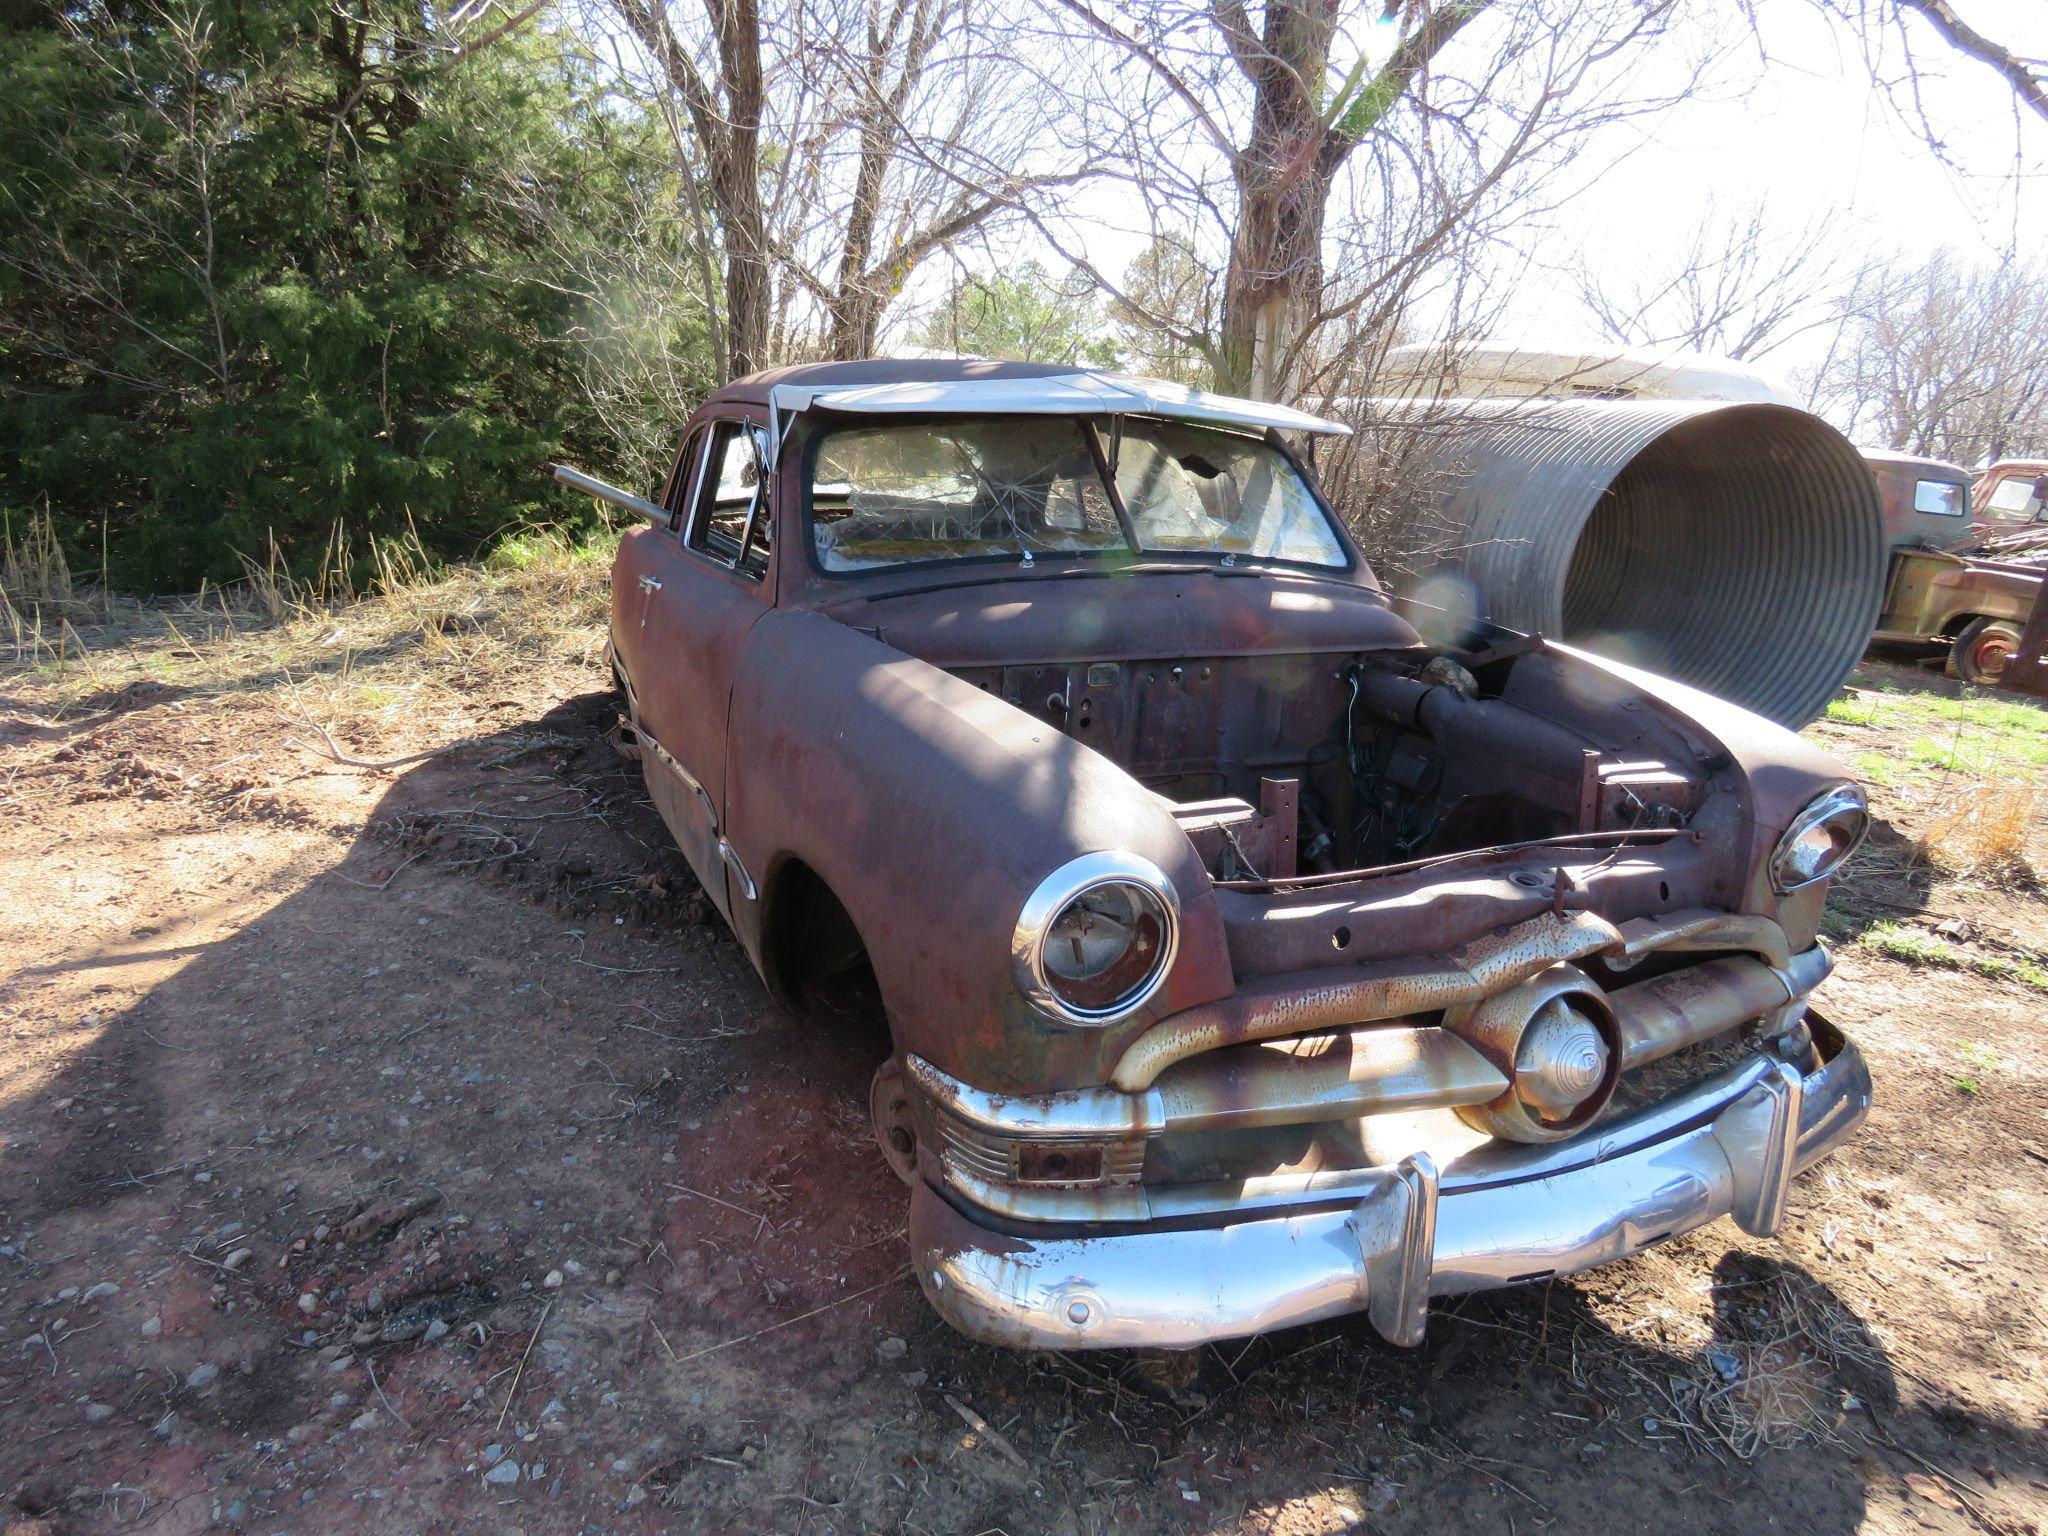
x=2011, y=496
x=1669, y=1013
x=1352, y=842
x=2027, y=672
x=932, y=809
x=1933, y=591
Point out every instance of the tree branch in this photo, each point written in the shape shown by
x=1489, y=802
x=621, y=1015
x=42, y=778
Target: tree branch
x=2029, y=82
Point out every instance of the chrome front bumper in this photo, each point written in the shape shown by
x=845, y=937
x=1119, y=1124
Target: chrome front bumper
x=1499, y=1216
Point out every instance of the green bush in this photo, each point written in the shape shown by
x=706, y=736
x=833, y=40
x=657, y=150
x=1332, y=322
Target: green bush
x=266, y=268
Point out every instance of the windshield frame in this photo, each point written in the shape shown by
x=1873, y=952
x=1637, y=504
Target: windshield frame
x=1094, y=429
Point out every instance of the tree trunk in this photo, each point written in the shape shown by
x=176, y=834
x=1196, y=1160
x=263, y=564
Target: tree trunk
x=746, y=272
x=736, y=174
x=1274, y=276
x=854, y=312
x=1285, y=171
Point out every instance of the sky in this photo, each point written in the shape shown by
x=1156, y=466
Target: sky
x=1789, y=119
x=1798, y=126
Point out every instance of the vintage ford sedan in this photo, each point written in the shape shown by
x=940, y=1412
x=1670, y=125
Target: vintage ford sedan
x=1246, y=960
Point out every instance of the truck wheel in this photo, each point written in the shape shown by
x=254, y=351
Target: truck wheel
x=1982, y=650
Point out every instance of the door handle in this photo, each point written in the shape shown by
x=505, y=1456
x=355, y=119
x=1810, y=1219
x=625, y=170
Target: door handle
x=649, y=584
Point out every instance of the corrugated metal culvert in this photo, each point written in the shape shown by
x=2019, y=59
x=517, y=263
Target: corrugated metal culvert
x=1736, y=547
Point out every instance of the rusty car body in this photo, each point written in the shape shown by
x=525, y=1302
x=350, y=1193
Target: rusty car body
x=1947, y=585
x=1246, y=960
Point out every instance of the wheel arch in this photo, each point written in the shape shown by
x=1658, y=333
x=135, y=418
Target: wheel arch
x=808, y=935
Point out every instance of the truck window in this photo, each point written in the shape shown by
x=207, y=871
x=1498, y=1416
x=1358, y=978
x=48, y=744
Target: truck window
x=2012, y=499
x=1941, y=498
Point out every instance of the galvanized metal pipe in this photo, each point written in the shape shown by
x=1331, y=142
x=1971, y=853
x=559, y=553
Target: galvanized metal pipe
x=1736, y=547
x=603, y=490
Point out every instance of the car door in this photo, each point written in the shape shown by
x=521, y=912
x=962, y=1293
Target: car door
x=706, y=585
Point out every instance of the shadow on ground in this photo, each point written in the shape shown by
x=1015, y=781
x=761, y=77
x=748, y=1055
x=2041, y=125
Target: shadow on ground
x=477, y=1183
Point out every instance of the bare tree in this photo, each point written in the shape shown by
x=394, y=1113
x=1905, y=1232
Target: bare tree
x=1895, y=38
x=1168, y=283
x=1741, y=286
x=1942, y=358
x=716, y=99
x=1321, y=167
x=839, y=144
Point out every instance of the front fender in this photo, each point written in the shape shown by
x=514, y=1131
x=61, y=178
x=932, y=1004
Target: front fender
x=933, y=809
x=1780, y=773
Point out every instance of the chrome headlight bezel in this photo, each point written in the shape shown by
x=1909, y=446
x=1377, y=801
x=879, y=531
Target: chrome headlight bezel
x=1842, y=812
x=1060, y=889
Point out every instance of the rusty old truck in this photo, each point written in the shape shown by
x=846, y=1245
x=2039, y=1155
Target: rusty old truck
x=1948, y=585
x=1246, y=960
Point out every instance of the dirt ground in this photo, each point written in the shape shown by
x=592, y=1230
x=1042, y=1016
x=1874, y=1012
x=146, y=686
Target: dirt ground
x=400, y=1149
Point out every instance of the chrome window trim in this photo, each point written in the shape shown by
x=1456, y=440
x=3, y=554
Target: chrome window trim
x=696, y=518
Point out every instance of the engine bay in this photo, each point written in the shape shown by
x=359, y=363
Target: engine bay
x=1284, y=766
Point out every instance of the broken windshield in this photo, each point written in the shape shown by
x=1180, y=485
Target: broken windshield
x=987, y=487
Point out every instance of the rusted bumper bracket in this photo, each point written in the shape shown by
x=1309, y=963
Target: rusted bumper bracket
x=1727, y=1148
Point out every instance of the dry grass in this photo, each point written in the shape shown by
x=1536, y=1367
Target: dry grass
x=1765, y=1372
x=33, y=571
x=418, y=646
x=1984, y=833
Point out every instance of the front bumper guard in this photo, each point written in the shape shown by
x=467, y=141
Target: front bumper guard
x=1729, y=1147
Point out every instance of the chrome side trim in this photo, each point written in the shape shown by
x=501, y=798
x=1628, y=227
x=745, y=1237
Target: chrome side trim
x=728, y=855
x=1702, y=1157
x=742, y=881
x=688, y=780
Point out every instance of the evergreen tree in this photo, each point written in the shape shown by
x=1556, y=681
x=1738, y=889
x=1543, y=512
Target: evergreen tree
x=267, y=267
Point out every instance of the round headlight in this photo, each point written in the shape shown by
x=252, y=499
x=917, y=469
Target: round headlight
x=1097, y=937
x=1820, y=838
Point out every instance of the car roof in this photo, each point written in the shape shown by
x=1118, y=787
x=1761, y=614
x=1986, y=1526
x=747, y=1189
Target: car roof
x=755, y=387
x=926, y=386
x=1915, y=460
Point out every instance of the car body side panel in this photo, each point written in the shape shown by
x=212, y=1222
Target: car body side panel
x=1932, y=592
x=933, y=809
x=644, y=639
x=685, y=618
